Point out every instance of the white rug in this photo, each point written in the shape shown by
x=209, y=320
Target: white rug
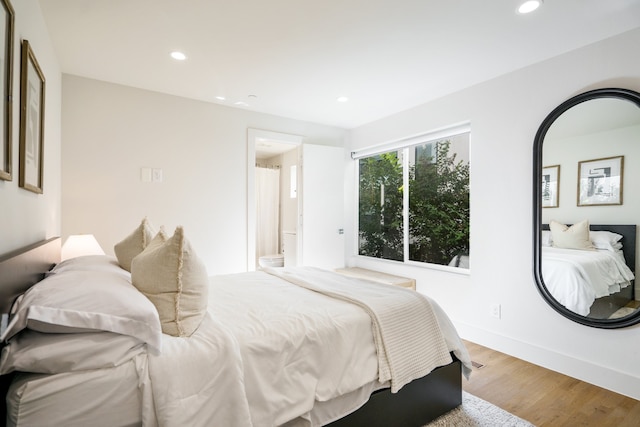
x=622, y=312
x=475, y=412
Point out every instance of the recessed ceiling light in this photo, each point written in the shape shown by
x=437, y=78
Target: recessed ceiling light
x=342, y=99
x=178, y=56
x=529, y=6
x=241, y=103
x=220, y=98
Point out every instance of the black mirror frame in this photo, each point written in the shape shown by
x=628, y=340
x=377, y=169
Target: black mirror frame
x=623, y=94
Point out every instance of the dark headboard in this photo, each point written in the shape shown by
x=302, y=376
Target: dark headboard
x=628, y=233
x=21, y=269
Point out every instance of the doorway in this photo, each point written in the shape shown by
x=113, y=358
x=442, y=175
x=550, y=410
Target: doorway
x=272, y=208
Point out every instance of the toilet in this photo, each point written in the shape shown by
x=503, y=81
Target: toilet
x=276, y=260
x=288, y=256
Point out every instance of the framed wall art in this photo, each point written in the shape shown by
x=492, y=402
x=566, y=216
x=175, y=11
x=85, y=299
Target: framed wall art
x=32, y=90
x=551, y=186
x=600, y=181
x=6, y=77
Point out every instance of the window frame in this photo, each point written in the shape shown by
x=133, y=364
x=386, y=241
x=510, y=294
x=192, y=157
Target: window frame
x=404, y=145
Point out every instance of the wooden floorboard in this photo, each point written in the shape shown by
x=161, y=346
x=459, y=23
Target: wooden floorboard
x=543, y=397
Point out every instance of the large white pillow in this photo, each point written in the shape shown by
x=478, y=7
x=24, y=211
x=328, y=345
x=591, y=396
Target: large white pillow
x=606, y=240
x=90, y=263
x=172, y=276
x=574, y=237
x=76, y=301
x=134, y=243
x=32, y=351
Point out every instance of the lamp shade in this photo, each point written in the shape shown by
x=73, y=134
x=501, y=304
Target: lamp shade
x=79, y=245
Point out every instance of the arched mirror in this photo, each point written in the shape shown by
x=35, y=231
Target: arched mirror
x=586, y=163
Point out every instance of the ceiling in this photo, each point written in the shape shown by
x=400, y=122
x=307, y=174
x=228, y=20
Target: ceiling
x=294, y=58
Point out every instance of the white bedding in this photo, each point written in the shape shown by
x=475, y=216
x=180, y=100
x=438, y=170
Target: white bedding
x=41, y=399
x=267, y=353
x=576, y=278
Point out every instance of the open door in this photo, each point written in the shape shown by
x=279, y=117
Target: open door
x=320, y=194
x=321, y=209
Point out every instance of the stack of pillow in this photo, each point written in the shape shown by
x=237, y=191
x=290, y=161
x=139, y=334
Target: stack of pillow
x=94, y=312
x=85, y=314
x=169, y=273
x=579, y=236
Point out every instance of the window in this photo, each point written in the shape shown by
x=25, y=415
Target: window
x=413, y=200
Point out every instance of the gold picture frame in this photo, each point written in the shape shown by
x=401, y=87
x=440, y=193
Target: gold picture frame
x=32, y=97
x=600, y=181
x=7, y=20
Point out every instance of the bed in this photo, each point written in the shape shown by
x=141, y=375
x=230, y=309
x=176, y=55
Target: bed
x=595, y=282
x=310, y=359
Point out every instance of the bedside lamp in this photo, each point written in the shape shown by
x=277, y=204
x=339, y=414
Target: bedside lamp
x=80, y=244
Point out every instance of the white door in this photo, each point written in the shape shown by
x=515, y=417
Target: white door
x=321, y=209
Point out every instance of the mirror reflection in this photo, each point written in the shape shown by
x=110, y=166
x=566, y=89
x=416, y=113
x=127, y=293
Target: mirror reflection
x=589, y=207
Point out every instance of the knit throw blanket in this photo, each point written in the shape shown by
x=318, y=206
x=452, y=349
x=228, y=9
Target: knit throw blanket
x=405, y=329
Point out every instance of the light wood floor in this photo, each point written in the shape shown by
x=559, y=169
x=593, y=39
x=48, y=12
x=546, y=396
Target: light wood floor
x=544, y=397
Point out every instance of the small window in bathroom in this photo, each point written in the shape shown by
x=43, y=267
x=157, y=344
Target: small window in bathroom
x=293, y=192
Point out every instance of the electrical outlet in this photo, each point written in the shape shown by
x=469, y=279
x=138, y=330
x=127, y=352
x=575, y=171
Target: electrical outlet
x=495, y=310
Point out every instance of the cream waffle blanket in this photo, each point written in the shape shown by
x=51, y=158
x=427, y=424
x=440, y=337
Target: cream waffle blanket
x=407, y=335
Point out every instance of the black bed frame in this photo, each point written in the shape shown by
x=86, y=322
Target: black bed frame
x=416, y=404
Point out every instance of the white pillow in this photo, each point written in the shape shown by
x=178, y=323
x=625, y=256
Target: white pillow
x=546, y=238
x=90, y=263
x=76, y=301
x=606, y=240
x=32, y=351
x=172, y=276
x=133, y=244
x=574, y=237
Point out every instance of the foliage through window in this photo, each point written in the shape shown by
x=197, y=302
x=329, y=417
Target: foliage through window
x=414, y=203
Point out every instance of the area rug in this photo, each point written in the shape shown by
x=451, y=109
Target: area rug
x=475, y=412
x=622, y=312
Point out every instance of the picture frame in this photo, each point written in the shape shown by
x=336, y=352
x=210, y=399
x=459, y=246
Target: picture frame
x=550, y=186
x=7, y=20
x=32, y=102
x=600, y=181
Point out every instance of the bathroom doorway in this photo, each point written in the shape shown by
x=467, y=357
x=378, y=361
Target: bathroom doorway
x=311, y=226
x=272, y=204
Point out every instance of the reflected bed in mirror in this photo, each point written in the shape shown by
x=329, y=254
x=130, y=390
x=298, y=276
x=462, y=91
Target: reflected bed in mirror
x=587, y=129
x=595, y=281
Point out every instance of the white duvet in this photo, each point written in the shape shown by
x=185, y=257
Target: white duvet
x=576, y=278
x=287, y=349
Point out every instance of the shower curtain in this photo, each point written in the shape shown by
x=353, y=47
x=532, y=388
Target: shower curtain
x=268, y=211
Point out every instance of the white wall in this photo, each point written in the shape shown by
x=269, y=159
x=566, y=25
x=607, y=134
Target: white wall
x=27, y=217
x=505, y=114
x=111, y=131
x=567, y=152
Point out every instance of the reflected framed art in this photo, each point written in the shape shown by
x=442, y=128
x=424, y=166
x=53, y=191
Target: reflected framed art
x=600, y=181
x=551, y=186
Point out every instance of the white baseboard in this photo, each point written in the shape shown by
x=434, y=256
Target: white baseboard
x=586, y=371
